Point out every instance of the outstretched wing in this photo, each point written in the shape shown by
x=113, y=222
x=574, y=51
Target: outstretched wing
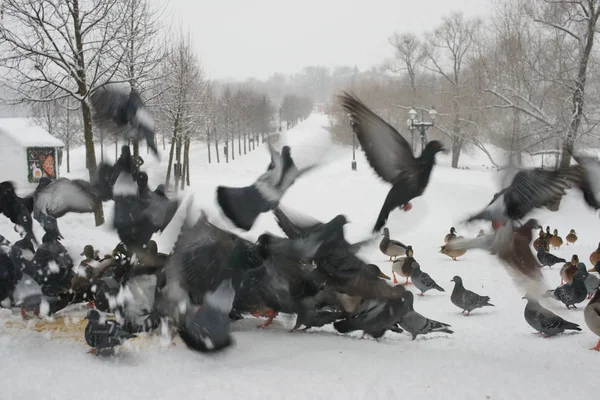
x=536, y=188
x=388, y=152
x=64, y=195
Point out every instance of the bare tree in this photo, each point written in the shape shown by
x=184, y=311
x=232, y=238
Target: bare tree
x=62, y=48
x=447, y=53
x=181, y=104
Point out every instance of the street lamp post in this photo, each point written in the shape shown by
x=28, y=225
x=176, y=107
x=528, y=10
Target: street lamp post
x=413, y=124
x=353, y=151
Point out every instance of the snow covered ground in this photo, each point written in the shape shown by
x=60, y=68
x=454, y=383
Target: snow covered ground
x=492, y=354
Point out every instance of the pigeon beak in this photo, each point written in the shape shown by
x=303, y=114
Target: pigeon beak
x=445, y=150
x=384, y=276
x=522, y=297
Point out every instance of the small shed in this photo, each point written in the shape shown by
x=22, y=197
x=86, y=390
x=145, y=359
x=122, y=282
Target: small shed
x=27, y=152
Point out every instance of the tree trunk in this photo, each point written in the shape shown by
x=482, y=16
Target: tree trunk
x=240, y=144
x=178, y=160
x=170, y=165
x=68, y=158
x=457, y=141
x=101, y=148
x=136, y=148
x=183, y=166
x=90, y=154
x=116, y=150
x=245, y=143
x=232, y=148
x=164, y=144
x=188, y=144
x=217, y=150
x=208, y=143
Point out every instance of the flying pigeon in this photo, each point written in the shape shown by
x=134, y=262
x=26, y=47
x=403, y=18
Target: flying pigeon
x=466, y=299
x=243, y=205
x=391, y=156
x=53, y=199
x=529, y=189
x=545, y=321
x=118, y=111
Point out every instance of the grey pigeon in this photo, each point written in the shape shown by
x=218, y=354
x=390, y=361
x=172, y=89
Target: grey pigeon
x=243, y=205
x=208, y=329
x=28, y=295
x=547, y=259
x=121, y=111
x=53, y=199
x=466, y=299
x=545, y=321
x=375, y=317
x=423, y=281
x=104, y=335
x=416, y=324
x=591, y=281
x=571, y=293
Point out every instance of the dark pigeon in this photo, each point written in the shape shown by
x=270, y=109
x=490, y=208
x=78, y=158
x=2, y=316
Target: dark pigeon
x=545, y=321
x=423, y=281
x=243, y=205
x=416, y=324
x=103, y=336
x=391, y=156
x=375, y=317
x=466, y=299
x=118, y=111
x=572, y=293
x=17, y=209
x=529, y=189
x=547, y=259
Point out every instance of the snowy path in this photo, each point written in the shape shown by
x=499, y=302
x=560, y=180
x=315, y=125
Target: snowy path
x=492, y=354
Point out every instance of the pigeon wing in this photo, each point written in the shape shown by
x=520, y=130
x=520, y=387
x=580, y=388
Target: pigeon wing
x=63, y=196
x=387, y=151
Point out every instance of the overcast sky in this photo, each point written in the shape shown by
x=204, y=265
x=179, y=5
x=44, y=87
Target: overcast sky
x=256, y=38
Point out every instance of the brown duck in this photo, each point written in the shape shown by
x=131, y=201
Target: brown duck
x=591, y=314
x=391, y=248
x=572, y=237
x=541, y=241
x=547, y=235
x=595, y=256
x=404, y=267
x=569, y=269
x=556, y=241
x=453, y=253
x=451, y=235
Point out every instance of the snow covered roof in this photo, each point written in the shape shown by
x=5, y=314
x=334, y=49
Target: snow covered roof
x=27, y=133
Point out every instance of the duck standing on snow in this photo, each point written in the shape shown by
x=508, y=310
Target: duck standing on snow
x=466, y=299
x=548, y=234
x=556, y=241
x=391, y=156
x=592, y=316
x=545, y=321
x=569, y=269
x=404, y=267
x=423, y=281
x=391, y=248
x=595, y=256
x=106, y=335
x=452, y=253
x=451, y=235
x=571, y=237
x=547, y=259
x=540, y=241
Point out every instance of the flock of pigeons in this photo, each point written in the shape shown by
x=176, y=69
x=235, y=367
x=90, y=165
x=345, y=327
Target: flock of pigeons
x=213, y=277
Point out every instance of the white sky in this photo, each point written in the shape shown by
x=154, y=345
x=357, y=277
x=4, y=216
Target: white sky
x=256, y=38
